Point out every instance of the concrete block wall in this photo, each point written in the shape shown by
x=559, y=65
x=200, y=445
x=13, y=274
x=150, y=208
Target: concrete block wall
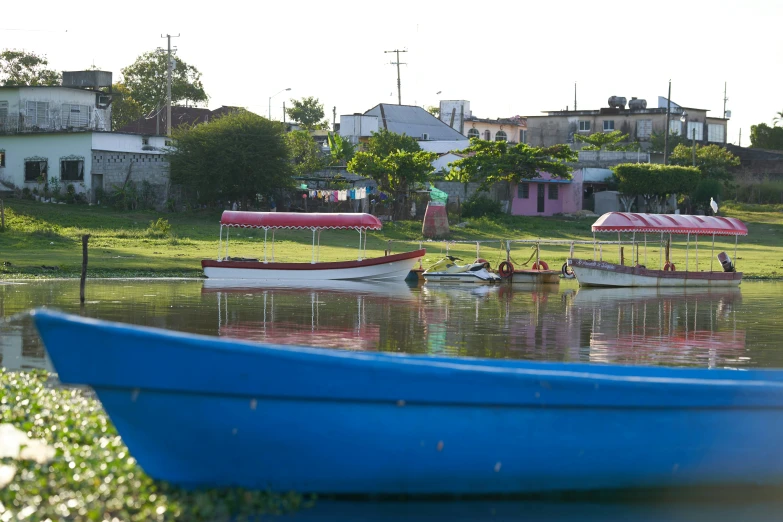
x=114, y=167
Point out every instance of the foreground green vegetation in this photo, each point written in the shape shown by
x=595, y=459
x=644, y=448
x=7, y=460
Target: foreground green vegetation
x=92, y=476
x=44, y=240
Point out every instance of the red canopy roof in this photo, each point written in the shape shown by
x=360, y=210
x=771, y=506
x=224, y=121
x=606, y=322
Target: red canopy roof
x=671, y=223
x=233, y=218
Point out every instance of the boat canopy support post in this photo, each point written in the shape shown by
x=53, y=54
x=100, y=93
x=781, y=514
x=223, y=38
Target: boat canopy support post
x=687, y=248
x=593, y=246
x=312, y=261
x=735, y=253
x=697, y=251
x=220, y=243
x=318, y=250
x=265, y=234
x=360, y=245
x=508, y=251
x=712, y=253
x=645, y=249
x=620, y=247
x=228, y=231
x=273, y=245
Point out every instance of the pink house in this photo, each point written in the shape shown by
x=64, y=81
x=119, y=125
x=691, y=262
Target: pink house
x=546, y=196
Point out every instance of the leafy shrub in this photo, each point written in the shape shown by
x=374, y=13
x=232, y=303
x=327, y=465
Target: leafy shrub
x=158, y=228
x=55, y=186
x=27, y=193
x=480, y=205
x=70, y=193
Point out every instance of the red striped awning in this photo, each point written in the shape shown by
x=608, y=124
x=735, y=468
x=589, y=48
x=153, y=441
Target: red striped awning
x=669, y=223
x=234, y=218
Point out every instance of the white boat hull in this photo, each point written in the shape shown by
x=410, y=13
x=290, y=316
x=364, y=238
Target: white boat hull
x=394, y=267
x=460, y=277
x=601, y=273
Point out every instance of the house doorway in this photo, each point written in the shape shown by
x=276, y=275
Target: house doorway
x=97, y=188
x=541, y=197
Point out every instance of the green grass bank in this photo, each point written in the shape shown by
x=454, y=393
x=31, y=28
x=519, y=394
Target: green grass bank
x=44, y=240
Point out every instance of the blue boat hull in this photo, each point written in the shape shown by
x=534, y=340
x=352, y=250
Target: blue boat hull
x=204, y=412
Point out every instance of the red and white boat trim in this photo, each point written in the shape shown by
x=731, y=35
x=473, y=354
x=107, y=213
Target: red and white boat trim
x=386, y=268
x=602, y=273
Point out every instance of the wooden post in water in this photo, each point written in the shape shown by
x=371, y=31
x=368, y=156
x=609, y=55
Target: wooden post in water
x=85, y=238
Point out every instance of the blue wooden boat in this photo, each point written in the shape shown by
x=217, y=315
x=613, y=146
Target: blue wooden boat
x=203, y=412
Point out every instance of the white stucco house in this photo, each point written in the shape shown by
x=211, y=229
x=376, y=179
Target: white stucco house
x=64, y=132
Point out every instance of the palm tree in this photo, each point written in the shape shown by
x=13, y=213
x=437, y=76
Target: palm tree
x=777, y=119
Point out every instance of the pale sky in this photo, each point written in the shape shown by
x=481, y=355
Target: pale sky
x=506, y=58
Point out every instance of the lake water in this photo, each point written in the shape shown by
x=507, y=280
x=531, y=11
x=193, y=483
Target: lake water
x=730, y=328
x=727, y=328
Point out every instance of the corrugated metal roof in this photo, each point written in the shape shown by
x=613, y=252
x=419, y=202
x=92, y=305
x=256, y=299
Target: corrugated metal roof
x=413, y=121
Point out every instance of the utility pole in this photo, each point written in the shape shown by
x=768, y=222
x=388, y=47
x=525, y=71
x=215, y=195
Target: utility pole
x=725, y=99
x=397, y=63
x=574, y=95
x=334, y=117
x=666, y=136
x=168, y=84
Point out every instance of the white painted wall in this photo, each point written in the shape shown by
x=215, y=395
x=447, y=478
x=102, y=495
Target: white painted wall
x=442, y=163
x=354, y=126
x=120, y=142
x=100, y=119
x=53, y=147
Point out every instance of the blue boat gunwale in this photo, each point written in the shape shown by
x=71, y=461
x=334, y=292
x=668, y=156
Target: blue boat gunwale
x=539, y=369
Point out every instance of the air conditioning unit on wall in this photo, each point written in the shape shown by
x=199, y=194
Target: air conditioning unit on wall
x=425, y=136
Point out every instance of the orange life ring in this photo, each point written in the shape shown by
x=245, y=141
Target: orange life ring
x=669, y=266
x=505, y=269
x=541, y=265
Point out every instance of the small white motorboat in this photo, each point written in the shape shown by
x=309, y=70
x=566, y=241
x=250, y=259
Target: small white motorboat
x=448, y=271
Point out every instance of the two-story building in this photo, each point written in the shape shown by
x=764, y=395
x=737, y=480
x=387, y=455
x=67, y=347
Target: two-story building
x=638, y=121
x=457, y=115
x=64, y=132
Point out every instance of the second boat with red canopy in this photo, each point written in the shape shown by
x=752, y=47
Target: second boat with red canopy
x=597, y=272
x=387, y=268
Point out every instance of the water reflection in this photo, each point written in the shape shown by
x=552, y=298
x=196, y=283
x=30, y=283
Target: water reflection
x=705, y=328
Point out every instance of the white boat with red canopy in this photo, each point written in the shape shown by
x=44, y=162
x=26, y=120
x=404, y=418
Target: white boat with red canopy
x=597, y=272
x=388, y=267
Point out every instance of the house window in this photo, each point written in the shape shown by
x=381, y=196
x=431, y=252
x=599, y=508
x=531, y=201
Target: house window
x=3, y=112
x=487, y=135
x=145, y=141
x=33, y=169
x=473, y=133
x=37, y=114
x=522, y=135
x=675, y=127
x=584, y=126
x=643, y=129
x=2, y=158
x=553, y=193
x=715, y=133
x=501, y=136
x=75, y=115
x=608, y=125
x=695, y=128
x=523, y=191
x=72, y=170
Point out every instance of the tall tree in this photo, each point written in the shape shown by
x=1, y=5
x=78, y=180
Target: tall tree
x=308, y=112
x=714, y=161
x=777, y=119
x=658, y=141
x=655, y=182
x=762, y=136
x=396, y=163
x=18, y=68
x=235, y=157
x=304, y=151
x=489, y=162
x=606, y=141
x=124, y=109
x=146, y=78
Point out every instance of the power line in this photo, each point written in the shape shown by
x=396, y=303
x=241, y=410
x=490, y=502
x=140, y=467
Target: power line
x=397, y=63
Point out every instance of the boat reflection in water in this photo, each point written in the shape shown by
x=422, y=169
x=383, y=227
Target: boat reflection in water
x=338, y=311
x=671, y=326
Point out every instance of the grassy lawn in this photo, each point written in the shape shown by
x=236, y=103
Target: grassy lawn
x=44, y=240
